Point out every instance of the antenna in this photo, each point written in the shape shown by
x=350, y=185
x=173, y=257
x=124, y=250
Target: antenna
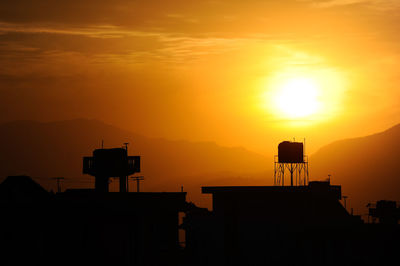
x=58, y=183
x=137, y=179
x=126, y=177
x=126, y=146
x=102, y=143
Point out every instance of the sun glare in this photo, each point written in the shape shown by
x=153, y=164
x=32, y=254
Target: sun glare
x=297, y=98
x=304, y=97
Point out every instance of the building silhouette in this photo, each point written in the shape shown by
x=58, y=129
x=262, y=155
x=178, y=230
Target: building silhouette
x=248, y=225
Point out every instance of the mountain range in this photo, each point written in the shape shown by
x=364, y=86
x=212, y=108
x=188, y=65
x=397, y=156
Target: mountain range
x=53, y=149
x=366, y=167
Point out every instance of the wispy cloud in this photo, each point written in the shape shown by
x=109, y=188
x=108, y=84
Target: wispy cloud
x=95, y=31
x=376, y=4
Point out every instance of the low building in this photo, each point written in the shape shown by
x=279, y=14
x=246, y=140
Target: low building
x=88, y=227
x=278, y=225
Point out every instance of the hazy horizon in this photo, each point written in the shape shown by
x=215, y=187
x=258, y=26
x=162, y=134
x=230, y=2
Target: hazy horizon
x=267, y=153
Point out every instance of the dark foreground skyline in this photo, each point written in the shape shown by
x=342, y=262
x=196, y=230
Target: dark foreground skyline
x=281, y=225
x=203, y=92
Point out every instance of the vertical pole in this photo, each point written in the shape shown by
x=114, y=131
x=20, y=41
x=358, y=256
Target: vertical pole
x=299, y=173
x=137, y=184
x=307, y=173
x=58, y=179
x=291, y=174
x=122, y=184
x=126, y=146
x=126, y=181
x=274, y=173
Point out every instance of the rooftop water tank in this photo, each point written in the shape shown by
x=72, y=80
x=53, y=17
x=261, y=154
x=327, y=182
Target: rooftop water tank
x=290, y=152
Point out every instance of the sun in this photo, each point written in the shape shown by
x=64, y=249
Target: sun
x=302, y=97
x=297, y=98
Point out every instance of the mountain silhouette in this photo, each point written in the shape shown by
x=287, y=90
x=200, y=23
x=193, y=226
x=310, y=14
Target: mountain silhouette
x=366, y=167
x=46, y=150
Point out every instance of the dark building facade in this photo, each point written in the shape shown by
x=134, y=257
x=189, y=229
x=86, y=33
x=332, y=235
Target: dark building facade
x=303, y=225
x=87, y=227
x=293, y=225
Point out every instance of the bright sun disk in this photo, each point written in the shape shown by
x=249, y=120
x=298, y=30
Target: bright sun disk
x=301, y=97
x=297, y=98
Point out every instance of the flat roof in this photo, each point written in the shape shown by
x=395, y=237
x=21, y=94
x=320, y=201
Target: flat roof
x=313, y=186
x=251, y=189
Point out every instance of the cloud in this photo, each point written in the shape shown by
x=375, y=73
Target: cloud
x=375, y=4
x=94, y=31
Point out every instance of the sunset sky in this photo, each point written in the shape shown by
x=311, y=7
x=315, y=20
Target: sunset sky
x=205, y=70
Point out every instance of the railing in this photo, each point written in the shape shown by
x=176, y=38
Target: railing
x=134, y=164
x=129, y=167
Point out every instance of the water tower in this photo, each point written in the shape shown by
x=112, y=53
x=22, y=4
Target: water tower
x=292, y=161
x=107, y=163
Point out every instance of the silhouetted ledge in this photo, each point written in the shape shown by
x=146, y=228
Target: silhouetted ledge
x=321, y=188
x=315, y=204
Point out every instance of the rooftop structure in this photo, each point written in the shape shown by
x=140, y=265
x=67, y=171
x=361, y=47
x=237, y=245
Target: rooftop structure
x=317, y=203
x=386, y=211
x=106, y=163
x=267, y=225
x=292, y=161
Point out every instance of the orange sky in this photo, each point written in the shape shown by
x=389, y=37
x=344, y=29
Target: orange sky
x=202, y=70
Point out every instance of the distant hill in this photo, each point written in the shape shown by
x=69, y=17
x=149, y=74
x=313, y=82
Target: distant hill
x=367, y=167
x=45, y=150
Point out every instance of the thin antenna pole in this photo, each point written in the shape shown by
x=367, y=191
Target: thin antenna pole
x=58, y=183
x=102, y=143
x=137, y=179
x=291, y=174
x=126, y=177
x=126, y=146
